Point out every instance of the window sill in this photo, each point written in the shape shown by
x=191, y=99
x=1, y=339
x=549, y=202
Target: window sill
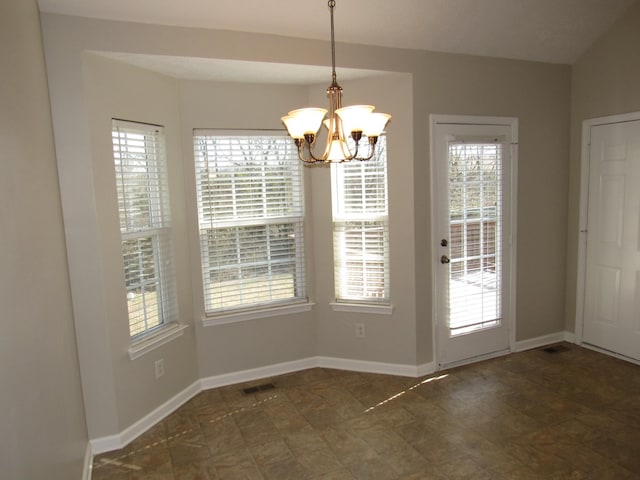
x=161, y=337
x=235, y=317
x=386, y=309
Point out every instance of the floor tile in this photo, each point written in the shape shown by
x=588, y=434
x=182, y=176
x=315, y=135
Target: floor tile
x=530, y=415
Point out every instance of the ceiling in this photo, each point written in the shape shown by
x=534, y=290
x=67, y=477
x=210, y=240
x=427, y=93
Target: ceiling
x=554, y=31
x=236, y=71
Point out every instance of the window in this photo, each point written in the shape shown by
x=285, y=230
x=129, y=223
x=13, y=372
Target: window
x=361, y=229
x=475, y=231
x=251, y=219
x=145, y=225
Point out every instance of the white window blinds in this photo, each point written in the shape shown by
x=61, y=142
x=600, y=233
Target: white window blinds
x=143, y=207
x=360, y=229
x=251, y=219
x=475, y=206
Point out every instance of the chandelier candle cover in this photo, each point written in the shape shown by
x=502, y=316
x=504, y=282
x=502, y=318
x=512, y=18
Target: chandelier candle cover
x=357, y=121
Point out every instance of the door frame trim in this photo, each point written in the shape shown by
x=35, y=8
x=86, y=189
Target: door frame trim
x=512, y=122
x=585, y=161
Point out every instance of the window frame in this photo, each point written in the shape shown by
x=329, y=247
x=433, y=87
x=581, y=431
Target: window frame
x=215, y=312
x=156, y=229
x=341, y=217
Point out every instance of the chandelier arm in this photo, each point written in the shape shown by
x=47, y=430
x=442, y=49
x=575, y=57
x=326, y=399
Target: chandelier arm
x=368, y=157
x=355, y=153
x=372, y=149
x=302, y=157
x=300, y=143
x=312, y=157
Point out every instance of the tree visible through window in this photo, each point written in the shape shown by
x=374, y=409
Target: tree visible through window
x=251, y=219
x=143, y=207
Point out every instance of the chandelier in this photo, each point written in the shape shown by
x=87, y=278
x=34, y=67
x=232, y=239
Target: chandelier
x=355, y=122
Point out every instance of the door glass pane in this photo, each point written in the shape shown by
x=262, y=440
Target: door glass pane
x=475, y=222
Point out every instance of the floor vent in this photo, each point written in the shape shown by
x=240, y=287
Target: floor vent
x=258, y=388
x=555, y=349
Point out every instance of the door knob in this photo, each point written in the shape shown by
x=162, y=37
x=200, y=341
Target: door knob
x=444, y=259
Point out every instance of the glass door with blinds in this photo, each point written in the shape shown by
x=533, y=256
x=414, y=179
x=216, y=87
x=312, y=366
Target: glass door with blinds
x=474, y=202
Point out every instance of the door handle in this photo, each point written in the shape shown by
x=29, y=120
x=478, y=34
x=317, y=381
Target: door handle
x=444, y=259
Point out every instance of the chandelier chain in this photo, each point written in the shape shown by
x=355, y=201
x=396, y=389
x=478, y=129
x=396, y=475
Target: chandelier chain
x=332, y=4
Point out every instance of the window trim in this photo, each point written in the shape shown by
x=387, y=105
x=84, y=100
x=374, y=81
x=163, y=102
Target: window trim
x=161, y=237
x=257, y=313
x=286, y=306
x=155, y=338
x=339, y=219
x=370, y=308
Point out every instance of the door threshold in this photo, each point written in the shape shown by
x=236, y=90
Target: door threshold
x=478, y=358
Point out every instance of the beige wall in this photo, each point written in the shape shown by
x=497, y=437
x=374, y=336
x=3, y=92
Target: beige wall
x=42, y=417
x=248, y=344
x=538, y=95
x=389, y=338
x=416, y=85
x=605, y=81
x=116, y=90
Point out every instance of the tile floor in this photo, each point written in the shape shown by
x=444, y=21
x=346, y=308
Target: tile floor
x=574, y=414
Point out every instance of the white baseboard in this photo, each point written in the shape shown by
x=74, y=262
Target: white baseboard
x=256, y=373
x=311, y=362
x=538, y=342
x=366, y=366
x=426, y=369
x=476, y=359
x=106, y=444
x=114, y=442
x=88, y=463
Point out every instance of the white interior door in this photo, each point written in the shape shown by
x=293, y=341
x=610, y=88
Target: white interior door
x=611, y=317
x=473, y=203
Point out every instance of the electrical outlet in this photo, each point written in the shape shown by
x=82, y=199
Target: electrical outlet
x=159, y=368
x=360, y=333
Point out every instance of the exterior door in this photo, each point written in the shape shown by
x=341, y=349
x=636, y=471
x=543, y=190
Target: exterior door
x=611, y=319
x=474, y=203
